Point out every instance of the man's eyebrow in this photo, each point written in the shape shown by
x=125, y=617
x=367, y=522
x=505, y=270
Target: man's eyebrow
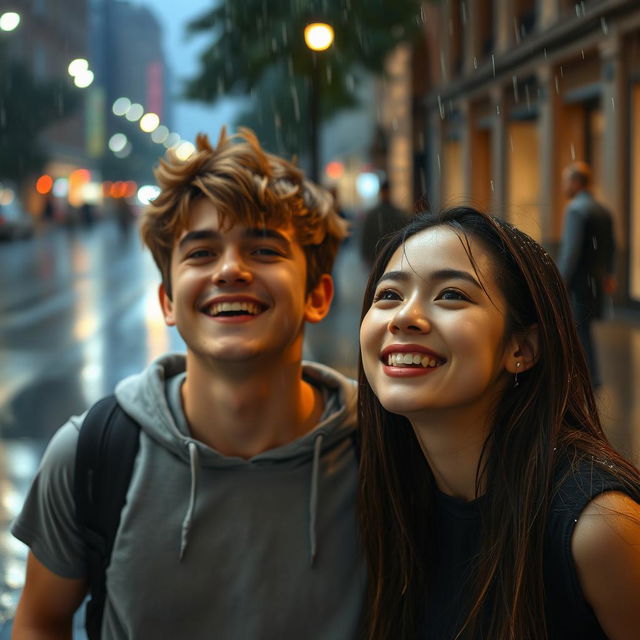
x=266, y=232
x=198, y=234
x=439, y=275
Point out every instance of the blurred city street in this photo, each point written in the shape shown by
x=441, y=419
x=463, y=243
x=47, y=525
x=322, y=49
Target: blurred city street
x=79, y=312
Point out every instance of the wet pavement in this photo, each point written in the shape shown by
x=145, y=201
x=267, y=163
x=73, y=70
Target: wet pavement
x=79, y=311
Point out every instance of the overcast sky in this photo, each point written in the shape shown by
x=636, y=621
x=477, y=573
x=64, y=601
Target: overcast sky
x=189, y=118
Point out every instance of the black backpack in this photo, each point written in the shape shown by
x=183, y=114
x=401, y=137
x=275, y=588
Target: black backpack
x=107, y=447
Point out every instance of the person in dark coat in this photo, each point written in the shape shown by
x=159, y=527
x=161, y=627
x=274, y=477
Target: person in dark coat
x=379, y=222
x=587, y=257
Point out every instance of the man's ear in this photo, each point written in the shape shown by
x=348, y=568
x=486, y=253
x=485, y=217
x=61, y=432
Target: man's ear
x=319, y=299
x=523, y=348
x=166, y=305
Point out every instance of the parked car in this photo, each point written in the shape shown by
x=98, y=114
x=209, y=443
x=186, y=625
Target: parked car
x=14, y=224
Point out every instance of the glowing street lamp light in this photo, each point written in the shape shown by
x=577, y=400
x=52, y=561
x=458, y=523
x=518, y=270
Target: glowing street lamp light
x=318, y=36
x=9, y=21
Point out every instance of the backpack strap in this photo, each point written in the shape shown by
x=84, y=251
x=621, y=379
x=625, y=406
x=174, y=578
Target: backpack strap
x=107, y=447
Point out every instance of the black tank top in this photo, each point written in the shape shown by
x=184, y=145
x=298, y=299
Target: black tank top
x=458, y=532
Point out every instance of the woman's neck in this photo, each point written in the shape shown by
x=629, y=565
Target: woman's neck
x=453, y=450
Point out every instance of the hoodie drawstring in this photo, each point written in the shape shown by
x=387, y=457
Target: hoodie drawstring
x=186, y=523
x=313, y=497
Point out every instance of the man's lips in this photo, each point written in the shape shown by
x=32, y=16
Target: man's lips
x=233, y=306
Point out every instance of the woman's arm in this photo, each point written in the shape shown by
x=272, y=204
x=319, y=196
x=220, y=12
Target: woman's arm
x=606, y=550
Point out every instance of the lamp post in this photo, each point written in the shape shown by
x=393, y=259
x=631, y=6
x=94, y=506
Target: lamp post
x=318, y=36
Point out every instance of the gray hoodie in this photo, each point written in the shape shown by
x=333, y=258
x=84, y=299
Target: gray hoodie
x=211, y=546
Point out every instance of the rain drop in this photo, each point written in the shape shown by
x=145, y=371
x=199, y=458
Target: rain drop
x=573, y=151
x=493, y=64
x=603, y=24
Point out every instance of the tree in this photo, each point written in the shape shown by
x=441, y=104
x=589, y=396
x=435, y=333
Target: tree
x=258, y=49
x=28, y=107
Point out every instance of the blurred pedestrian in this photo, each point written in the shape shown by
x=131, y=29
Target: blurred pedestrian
x=587, y=257
x=239, y=519
x=380, y=221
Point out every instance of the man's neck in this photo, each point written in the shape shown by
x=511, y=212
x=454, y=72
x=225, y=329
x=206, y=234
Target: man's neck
x=245, y=415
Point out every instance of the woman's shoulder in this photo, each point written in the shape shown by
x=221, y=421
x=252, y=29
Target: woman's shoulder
x=606, y=550
x=592, y=538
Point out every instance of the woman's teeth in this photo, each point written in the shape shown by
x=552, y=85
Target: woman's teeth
x=411, y=360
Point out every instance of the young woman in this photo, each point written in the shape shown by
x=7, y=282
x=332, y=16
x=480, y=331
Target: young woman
x=492, y=505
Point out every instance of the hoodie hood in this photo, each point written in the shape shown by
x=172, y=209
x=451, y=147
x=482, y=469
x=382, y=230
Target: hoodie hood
x=152, y=398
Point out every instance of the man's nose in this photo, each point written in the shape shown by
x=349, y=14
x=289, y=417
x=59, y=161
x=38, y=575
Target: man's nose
x=232, y=269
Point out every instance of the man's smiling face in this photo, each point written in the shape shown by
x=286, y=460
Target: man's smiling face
x=237, y=293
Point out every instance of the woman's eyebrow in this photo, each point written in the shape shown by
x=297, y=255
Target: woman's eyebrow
x=438, y=276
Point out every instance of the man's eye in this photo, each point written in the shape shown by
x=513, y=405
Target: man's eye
x=199, y=253
x=452, y=294
x=386, y=294
x=266, y=251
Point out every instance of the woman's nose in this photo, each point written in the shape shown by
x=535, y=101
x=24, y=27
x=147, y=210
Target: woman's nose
x=410, y=318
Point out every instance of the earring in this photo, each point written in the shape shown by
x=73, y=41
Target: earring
x=515, y=380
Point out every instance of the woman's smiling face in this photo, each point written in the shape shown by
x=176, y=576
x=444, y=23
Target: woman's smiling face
x=433, y=340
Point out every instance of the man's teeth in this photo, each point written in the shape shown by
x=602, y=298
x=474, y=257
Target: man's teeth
x=411, y=359
x=222, y=307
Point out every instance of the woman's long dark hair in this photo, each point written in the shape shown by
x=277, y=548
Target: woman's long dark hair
x=551, y=415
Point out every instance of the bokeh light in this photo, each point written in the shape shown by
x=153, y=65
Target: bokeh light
x=184, y=150
x=121, y=106
x=172, y=140
x=147, y=193
x=334, y=170
x=160, y=134
x=149, y=122
x=83, y=79
x=117, y=142
x=77, y=67
x=134, y=112
x=44, y=184
x=9, y=21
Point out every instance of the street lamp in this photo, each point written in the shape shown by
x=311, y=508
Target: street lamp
x=9, y=21
x=318, y=36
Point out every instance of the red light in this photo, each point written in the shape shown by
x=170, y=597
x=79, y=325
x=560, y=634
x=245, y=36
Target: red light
x=130, y=189
x=334, y=170
x=44, y=184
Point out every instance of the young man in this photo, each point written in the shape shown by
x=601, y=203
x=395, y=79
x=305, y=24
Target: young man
x=239, y=520
x=587, y=257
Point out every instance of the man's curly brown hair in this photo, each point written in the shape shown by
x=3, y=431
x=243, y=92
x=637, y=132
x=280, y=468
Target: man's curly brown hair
x=246, y=185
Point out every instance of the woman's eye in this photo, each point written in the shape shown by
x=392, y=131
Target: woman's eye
x=386, y=294
x=452, y=294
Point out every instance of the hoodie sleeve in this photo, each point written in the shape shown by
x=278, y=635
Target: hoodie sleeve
x=46, y=523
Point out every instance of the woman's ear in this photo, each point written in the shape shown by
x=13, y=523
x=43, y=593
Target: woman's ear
x=522, y=351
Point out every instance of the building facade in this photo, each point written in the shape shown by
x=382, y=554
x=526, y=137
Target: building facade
x=519, y=89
